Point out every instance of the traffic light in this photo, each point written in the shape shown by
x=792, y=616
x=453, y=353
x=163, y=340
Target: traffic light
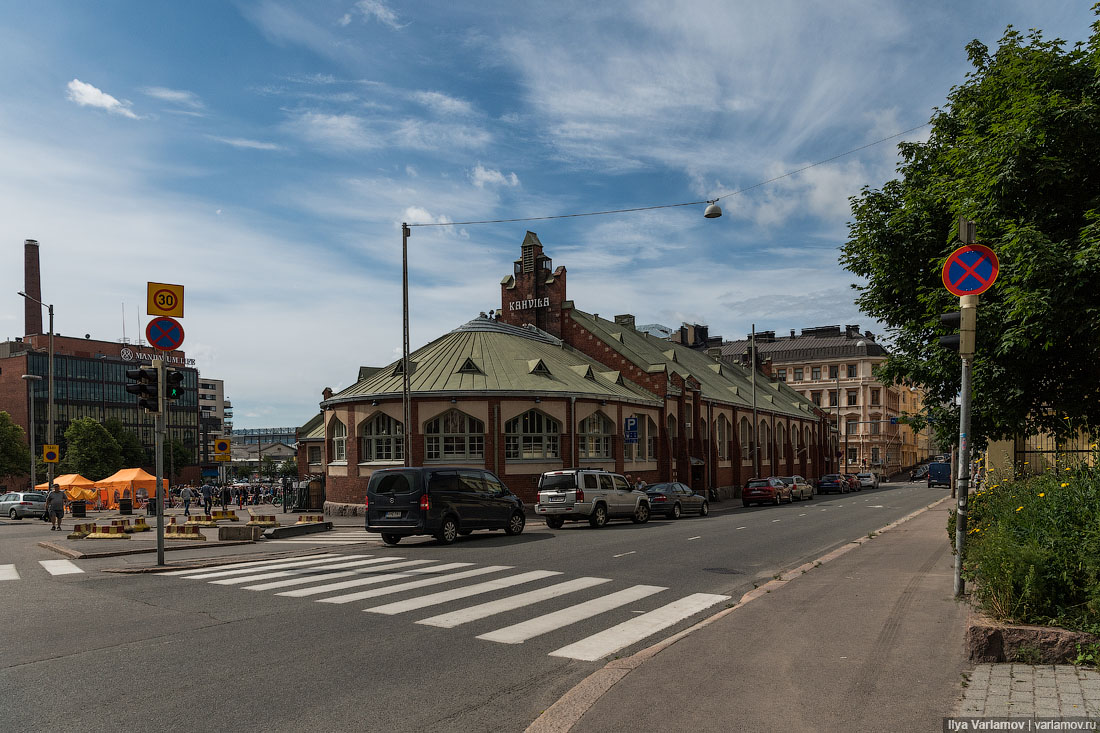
x=965, y=320
x=173, y=384
x=145, y=387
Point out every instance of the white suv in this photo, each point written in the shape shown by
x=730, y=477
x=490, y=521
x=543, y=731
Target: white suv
x=589, y=494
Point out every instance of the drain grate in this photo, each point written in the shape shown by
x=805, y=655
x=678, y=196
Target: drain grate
x=724, y=571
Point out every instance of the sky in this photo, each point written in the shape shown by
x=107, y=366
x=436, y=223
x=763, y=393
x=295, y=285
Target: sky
x=264, y=153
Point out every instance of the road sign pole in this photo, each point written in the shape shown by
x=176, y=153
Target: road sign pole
x=158, y=430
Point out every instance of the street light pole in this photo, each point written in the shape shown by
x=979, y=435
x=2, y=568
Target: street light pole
x=49, y=397
x=838, y=425
x=405, y=406
x=31, y=379
x=755, y=419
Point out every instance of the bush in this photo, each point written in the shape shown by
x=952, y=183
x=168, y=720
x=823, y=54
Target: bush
x=1033, y=549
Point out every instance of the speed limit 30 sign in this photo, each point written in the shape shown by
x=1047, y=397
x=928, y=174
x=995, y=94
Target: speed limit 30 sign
x=165, y=300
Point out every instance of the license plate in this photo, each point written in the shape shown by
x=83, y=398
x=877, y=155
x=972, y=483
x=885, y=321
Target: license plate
x=557, y=498
x=393, y=515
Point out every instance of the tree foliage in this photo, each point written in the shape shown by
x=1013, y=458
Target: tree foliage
x=1017, y=150
x=15, y=455
x=92, y=452
x=133, y=452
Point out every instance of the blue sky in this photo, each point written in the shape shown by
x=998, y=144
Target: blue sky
x=263, y=154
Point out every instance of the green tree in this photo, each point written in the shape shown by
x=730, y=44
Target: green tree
x=267, y=466
x=92, y=452
x=133, y=452
x=289, y=468
x=177, y=454
x=1016, y=149
x=15, y=455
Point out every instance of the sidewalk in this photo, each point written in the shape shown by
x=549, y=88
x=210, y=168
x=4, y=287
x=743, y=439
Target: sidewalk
x=871, y=640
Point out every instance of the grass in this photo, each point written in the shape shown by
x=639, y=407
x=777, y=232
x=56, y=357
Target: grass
x=1033, y=548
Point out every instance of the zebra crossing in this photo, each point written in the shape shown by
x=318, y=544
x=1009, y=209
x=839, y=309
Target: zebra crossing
x=336, y=537
x=426, y=584
x=53, y=567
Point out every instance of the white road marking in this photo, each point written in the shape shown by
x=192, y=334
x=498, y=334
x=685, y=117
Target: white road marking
x=411, y=585
x=371, y=580
x=695, y=537
x=875, y=506
x=484, y=610
x=802, y=514
x=776, y=520
x=254, y=564
x=60, y=567
x=8, y=572
x=521, y=632
x=740, y=528
x=246, y=575
x=317, y=575
x=624, y=554
x=635, y=629
x=434, y=599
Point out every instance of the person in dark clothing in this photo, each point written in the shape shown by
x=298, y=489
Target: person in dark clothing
x=207, y=497
x=225, y=498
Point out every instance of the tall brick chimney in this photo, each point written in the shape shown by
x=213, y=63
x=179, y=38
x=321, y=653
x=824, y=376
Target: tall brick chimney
x=32, y=286
x=535, y=291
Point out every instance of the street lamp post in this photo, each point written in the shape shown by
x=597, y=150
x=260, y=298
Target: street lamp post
x=49, y=386
x=406, y=407
x=31, y=379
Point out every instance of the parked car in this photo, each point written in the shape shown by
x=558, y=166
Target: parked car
x=800, y=487
x=19, y=504
x=442, y=501
x=771, y=490
x=673, y=499
x=868, y=480
x=589, y=495
x=939, y=474
x=853, y=482
x=833, y=482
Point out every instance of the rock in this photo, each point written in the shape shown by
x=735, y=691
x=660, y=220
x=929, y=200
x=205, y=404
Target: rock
x=988, y=640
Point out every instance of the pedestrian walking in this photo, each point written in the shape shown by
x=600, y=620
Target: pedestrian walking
x=207, y=498
x=185, y=497
x=55, y=506
x=225, y=498
x=240, y=497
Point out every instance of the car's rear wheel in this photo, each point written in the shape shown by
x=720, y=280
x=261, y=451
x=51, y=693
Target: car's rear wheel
x=704, y=510
x=641, y=514
x=391, y=539
x=599, y=516
x=555, y=522
x=13, y=514
x=515, y=524
x=676, y=511
x=448, y=531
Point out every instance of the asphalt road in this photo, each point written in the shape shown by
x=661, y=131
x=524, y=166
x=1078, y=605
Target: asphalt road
x=182, y=653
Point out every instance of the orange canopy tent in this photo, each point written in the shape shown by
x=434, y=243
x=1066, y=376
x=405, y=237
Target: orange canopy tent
x=74, y=485
x=129, y=483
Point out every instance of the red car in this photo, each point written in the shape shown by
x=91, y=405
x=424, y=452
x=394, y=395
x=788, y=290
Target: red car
x=769, y=490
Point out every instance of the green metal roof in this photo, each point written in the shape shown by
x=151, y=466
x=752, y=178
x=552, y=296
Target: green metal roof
x=719, y=381
x=314, y=429
x=487, y=356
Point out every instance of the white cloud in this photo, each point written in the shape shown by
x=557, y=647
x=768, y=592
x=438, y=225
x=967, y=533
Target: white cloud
x=377, y=10
x=443, y=104
x=344, y=19
x=182, y=98
x=242, y=142
x=87, y=95
x=336, y=131
x=482, y=177
x=422, y=135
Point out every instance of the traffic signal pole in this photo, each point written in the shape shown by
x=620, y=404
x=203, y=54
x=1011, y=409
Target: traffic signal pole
x=968, y=309
x=159, y=430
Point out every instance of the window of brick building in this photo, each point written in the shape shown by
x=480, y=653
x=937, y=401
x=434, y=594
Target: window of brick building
x=853, y=398
x=798, y=374
x=853, y=370
x=834, y=371
x=875, y=397
x=815, y=373
x=781, y=375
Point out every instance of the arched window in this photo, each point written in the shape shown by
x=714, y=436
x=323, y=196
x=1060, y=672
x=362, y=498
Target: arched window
x=765, y=439
x=781, y=439
x=809, y=440
x=651, y=438
x=704, y=434
x=671, y=427
x=532, y=435
x=381, y=438
x=338, y=434
x=454, y=436
x=794, y=441
x=746, y=439
x=721, y=431
x=594, y=436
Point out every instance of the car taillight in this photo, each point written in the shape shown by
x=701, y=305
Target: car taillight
x=24, y=503
x=366, y=502
x=425, y=503
x=660, y=497
x=580, y=495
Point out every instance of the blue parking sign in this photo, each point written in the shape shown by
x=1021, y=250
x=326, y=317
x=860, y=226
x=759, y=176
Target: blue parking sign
x=630, y=430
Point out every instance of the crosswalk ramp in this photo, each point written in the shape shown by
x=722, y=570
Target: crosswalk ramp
x=53, y=567
x=527, y=604
x=335, y=537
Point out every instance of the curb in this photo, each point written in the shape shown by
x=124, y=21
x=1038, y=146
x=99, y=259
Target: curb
x=78, y=555
x=571, y=707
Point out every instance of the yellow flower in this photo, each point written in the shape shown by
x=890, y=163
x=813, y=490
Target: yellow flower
x=1019, y=508
x=1026, y=462
x=1064, y=485
x=1042, y=495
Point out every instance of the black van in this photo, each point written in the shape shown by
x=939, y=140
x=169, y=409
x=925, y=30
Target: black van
x=443, y=501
